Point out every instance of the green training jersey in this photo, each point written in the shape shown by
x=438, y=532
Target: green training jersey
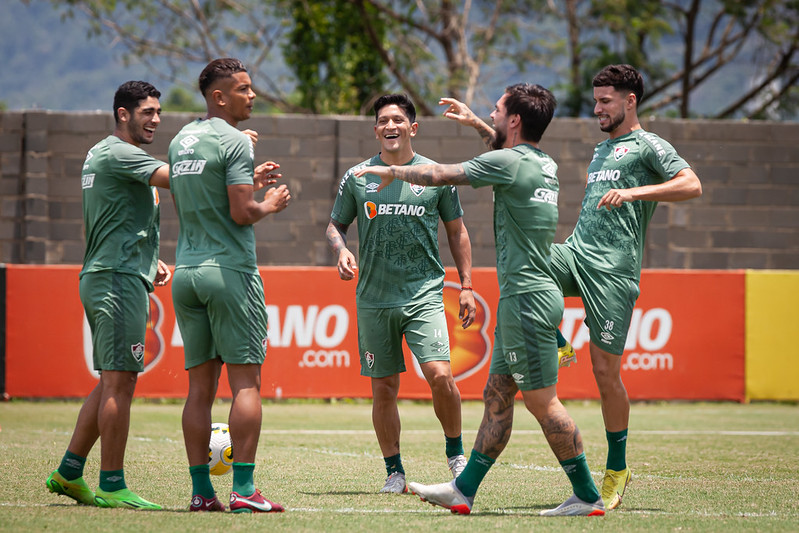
x=613, y=241
x=205, y=157
x=525, y=184
x=120, y=210
x=399, y=261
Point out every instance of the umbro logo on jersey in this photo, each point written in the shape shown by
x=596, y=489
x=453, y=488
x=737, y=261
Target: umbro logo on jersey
x=619, y=152
x=372, y=187
x=417, y=189
x=549, y=169
x=187, y=142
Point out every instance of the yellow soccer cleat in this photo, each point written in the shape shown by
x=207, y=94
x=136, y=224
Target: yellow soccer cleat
x=566, y=355
x=613, y=486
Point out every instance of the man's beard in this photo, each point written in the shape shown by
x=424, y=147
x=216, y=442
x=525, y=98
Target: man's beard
x=499, y=140
x=614, y=122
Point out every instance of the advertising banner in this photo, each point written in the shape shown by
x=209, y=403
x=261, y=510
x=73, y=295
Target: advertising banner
x=686, y=340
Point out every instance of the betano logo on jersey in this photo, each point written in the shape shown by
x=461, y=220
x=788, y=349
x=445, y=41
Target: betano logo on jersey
x=372, y=210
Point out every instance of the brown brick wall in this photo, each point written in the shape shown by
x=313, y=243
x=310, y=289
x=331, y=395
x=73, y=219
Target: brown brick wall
x=748, y=216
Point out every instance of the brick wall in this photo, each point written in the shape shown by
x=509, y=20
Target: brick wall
x=748, y=216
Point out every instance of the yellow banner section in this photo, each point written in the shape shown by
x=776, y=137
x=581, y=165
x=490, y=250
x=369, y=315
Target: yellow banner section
x=772, y=320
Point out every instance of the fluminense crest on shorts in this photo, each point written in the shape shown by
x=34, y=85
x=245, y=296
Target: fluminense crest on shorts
x=137, y=350
x=370, y=359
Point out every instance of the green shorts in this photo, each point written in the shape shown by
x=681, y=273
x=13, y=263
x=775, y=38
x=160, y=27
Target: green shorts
x=608, y=300
x=525, y=345
x=117, y=307
x=221, y=313
x=380, y=333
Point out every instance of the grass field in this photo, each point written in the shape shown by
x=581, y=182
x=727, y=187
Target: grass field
x=696, y=466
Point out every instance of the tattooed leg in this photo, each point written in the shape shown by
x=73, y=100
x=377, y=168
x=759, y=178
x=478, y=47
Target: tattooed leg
x=559, y=429
x=495, y=429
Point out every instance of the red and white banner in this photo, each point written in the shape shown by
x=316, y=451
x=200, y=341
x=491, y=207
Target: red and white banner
x=686, y=340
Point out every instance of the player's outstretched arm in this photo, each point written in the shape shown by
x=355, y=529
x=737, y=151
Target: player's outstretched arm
x=431, y=175
x=460, y=112
x=337, y=240
x=683, y=186
x=246, y=210
x=160, y=178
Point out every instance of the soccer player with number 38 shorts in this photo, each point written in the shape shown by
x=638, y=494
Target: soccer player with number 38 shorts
x=600, y=262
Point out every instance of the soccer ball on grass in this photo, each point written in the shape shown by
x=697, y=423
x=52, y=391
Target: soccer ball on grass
x=220, y=449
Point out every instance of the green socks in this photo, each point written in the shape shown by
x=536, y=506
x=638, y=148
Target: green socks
x=71, y=466
x=393, y=464
x=201, y=481
x=561, y=340
x=617, y=450
x=583, y=484
x=112, y=480
x=471, y=477
x=243, y=482
x=454, y=446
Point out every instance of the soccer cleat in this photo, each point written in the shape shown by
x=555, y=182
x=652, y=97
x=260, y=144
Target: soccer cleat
x=395, y=483
x=446, y=495
x=77, y=489
x=255, y=503
x=124, y=498
x=574, y=506
x=566, y=355
x=456, y=464
x=200, y=503
x=613, y=486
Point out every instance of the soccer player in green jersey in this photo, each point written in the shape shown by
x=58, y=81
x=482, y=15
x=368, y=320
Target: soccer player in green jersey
x=600, y=262
x=217, y=291
x=525, y=185
x=400, y=283
x=120, y=268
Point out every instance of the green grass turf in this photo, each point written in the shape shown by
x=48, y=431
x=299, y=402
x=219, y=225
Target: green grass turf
x=696, y=467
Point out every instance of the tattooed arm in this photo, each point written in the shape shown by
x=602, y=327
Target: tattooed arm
x=337, y=240
x=431, y=175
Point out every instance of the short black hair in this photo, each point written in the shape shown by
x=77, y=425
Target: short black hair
x=400, y=100
x=219, y=69
x=622, y=78
x=130, y=93
x=534, y=104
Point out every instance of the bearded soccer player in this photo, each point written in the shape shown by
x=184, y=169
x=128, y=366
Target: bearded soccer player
x=120, y=268
x=525, y=356
x=400, y=284
x=600, y=262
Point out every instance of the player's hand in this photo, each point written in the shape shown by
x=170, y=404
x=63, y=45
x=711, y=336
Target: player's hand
x=163, y=275
x=458, y=111
x=468, y=309
x=614, y=198
x=346, y=265
x=253, y=135
x=264, y=176
x=384, y=173
x=277, y=198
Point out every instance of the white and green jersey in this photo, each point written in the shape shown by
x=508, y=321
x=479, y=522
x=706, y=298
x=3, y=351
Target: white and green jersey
x=613, y=241
x=205, y=157
x=525, y=184
x=120, y=210
x=399, y=261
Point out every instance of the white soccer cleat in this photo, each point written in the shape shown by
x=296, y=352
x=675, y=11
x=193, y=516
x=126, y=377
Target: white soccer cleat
x=446, y=495
x=574, y=506
x=395, y=483
x=456, y=464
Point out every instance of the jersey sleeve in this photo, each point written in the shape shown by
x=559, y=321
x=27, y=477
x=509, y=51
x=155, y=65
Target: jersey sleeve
x=134, y=163
x=449, y=204
x=344, y=209
x=661, y=158
x=239, y=154
x=490, y=168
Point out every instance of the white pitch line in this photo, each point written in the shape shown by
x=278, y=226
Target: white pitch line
x=728, y=433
